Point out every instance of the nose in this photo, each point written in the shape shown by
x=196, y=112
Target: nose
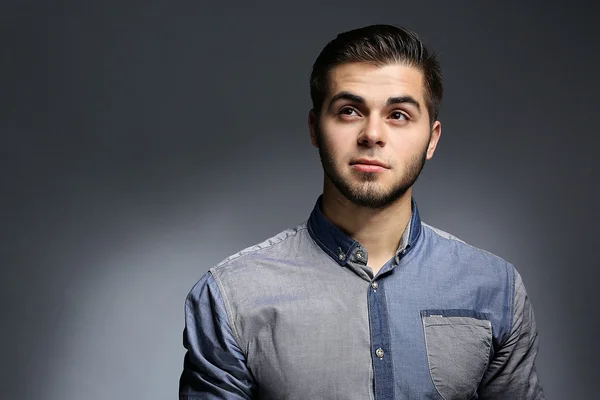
x=372, y=133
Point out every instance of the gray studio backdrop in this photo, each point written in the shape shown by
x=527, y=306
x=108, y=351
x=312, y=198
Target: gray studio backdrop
x=143, y=142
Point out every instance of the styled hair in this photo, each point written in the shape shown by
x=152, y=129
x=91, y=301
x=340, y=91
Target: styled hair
x=379, y=45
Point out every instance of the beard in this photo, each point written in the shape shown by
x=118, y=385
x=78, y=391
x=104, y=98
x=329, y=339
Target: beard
x=368, y=192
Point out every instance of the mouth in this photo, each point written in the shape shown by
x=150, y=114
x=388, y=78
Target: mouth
x=366, y=165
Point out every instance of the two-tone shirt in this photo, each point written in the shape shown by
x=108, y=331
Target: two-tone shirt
x=302, y=316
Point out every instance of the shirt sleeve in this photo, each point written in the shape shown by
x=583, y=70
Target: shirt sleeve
x=512, y=373
x=214, y=366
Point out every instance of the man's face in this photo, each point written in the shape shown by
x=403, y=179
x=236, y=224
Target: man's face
x=374, y=133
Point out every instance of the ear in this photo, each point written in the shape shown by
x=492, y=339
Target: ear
x=436, y=132
x=313, y=126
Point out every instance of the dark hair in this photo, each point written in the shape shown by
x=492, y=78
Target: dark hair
x=379, y=45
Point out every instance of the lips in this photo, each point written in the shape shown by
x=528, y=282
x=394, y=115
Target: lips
x=364, y=161
x=369, y=166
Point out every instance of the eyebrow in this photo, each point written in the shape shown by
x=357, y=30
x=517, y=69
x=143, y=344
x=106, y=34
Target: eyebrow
x=358, y=99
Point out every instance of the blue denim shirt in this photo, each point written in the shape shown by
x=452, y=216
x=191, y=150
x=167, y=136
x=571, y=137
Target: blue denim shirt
x=301, y=316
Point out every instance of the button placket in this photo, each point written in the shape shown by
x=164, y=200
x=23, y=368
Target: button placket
x=380, y=339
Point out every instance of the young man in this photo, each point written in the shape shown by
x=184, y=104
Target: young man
x=364, y=301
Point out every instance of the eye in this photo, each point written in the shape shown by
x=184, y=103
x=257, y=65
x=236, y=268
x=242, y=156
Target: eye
x=348, y=111
x=399, y=115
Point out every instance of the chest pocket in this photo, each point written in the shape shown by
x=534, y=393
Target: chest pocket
x=458, y=344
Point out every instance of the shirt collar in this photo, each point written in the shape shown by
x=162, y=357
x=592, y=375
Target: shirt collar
x=340, y=246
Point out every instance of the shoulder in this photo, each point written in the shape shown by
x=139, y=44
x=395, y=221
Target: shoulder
x=281, y=244
x=438, y=240
x=242, y=266
x=452, y=257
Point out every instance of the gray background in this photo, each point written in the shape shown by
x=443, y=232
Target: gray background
x=143, y=142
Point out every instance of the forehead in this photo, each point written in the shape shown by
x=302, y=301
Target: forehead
x=376, y=83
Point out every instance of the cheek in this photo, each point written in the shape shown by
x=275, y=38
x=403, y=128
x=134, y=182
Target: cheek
x=408, y=143
x=336, y=143
x=406, y=152
x=331, y=149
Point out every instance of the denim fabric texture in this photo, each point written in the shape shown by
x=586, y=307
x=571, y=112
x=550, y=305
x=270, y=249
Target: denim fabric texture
x=301, y=316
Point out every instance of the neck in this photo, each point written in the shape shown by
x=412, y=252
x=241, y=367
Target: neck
x=378, y=230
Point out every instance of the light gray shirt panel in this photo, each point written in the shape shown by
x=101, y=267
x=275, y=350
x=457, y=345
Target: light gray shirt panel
x=286, y=301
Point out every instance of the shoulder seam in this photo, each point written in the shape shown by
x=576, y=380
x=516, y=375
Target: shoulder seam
x=229, y=311
x=437, y=232
x=260, y=246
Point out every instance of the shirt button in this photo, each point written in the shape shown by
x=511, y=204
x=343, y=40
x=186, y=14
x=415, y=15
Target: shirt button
x=379, y=352
x=375, y=285
x=359, y=255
